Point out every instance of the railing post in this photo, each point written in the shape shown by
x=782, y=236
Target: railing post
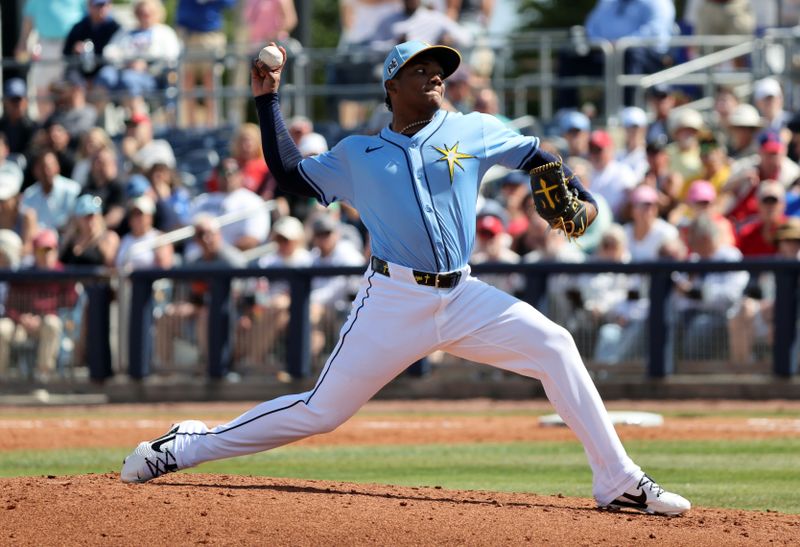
x=660, y=356
x=784, y=352
x=298, y=350
x=535, y=289
x=141, y=317
x=98, y=329
x=218, y=336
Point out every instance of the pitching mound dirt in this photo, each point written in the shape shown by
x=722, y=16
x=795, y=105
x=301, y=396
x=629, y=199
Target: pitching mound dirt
x=186, y=509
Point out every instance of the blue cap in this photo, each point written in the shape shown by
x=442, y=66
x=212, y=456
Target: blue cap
x=448, y=57
x=87, y=204
x=137, y=185
x=15, y=87
x=574, y=120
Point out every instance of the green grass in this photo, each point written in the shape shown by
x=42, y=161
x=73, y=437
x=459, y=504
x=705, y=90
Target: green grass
x=737, y=474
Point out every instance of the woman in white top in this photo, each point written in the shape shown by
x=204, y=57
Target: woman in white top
x=138, y=56
x=647, y=232
x=135, y=249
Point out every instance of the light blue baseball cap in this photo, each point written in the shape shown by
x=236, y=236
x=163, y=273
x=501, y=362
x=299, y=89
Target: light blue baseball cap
x=87, y=204
x=574, y=120
x=448, y=57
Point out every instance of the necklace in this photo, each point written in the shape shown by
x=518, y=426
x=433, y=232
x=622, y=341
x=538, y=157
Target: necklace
x=414, y=124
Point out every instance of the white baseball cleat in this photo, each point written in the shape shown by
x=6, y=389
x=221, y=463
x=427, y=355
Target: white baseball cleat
x=151, y=459
x=647, y=496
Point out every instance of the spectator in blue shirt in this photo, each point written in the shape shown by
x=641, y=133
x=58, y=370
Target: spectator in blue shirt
x=86, y=40
x=614, y=19
x=200, y=29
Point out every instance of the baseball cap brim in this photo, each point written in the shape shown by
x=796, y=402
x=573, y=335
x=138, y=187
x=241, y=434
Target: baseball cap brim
x=448, y=57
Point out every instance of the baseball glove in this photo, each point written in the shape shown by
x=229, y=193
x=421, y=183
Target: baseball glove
x=556, y=202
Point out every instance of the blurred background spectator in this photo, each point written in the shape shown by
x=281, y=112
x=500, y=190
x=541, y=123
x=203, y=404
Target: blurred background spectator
x=34, y=310
x=88, y=241
x=88, y=38
x=13, y=216
x=138, y=248
x=611, y=20
x=15, y=123
x=575, y=128
x=104, y=182
x=200, y=28
x=52, y=196
x=190, y=302
x=265, y=313
x=744, y=125
x=45, y=25
x=140, y=57
x=704, y=301
x=634, y=154
x=331, y=296
x=72, y=112
x=253, y=228
x=646, y=232
x=768, y=98
x=611, y=178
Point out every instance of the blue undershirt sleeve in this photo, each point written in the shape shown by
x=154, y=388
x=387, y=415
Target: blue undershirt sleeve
x=280, y=152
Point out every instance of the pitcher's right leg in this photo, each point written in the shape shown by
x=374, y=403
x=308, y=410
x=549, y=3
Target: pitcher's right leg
x=380, y=339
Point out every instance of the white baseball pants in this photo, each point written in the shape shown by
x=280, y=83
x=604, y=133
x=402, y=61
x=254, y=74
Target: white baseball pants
x=395, y=322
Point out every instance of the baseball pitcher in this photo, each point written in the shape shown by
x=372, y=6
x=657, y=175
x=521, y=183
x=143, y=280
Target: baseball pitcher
x=416, y=186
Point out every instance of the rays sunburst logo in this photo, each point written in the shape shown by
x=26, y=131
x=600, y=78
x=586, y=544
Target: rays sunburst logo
x=453, y=158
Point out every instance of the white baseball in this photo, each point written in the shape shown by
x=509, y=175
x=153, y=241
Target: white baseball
x=271, y=56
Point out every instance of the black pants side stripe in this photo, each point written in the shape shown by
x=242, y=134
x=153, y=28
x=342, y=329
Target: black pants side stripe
x=319, y=383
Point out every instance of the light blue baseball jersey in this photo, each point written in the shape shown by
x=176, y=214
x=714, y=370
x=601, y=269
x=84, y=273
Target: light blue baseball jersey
x=417, y=195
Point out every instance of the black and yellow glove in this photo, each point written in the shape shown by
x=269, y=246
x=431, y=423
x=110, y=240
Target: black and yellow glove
x=556, y=202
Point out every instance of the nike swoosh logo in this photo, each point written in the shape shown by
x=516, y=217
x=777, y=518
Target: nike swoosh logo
x=155, y=444
x=641, y=499
x=372, y=148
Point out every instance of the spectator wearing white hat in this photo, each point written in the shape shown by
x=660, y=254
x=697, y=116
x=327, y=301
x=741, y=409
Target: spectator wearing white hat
x=137, y=249
x=312, y=144
x=266, y=313
x=6, y=165
x=634, y=155
x=685, y=126
x=10, y=256
x=768, y=98
x=744, y=124
x=13, y=216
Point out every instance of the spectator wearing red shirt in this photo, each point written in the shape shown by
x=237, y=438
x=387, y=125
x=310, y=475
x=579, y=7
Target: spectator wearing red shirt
x=246, y=150
x=771, y=163
x=756, y=238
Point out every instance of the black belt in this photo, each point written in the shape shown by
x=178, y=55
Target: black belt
x=440, y=281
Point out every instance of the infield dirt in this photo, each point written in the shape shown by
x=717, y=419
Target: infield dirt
x=187, y=509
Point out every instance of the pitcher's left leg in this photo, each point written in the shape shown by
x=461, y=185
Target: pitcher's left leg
x=516, y=337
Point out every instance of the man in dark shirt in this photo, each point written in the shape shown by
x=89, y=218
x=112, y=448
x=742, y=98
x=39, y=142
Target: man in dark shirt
x=85, y=42
x=15, y=123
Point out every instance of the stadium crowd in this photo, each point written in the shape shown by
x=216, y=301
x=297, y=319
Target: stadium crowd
x=89, y=180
